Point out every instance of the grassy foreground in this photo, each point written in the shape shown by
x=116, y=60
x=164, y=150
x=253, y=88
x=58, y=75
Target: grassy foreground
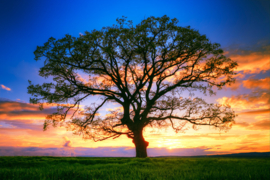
x=133, y=168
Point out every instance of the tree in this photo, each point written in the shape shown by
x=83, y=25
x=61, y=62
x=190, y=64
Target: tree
x=145, y=69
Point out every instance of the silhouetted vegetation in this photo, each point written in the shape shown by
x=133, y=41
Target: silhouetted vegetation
x=133, y=168
x=144, y=69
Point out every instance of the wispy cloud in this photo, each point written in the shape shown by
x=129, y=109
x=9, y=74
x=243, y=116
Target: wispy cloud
x=216, y=136
x=256, y=136
x=261, y=125
x=257, y=83
x=253, y=148
x=10, y=110
x=251, y=61
x=263, y=111
x=22, y=124
x=256, y=101
x=4, y=87
x=13, y=110
x=258, y=125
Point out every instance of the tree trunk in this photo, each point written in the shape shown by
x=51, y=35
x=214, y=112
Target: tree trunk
x=140, y=144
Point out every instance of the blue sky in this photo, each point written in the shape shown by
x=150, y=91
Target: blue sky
x=242, y=27
x=26, y=24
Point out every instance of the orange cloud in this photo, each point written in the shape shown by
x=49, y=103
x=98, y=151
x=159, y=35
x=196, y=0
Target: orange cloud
x=257, y=83
x=120, y=109
x=238, y=81
x=16, y=106
x=252, y=62
x=242, y=124
x=259, y=125
x=254, y=148
x=25, y=114
x=254, y=101
x=235, y=86
x=210, y=136
x=10, y=110
x=256, y=112
x=257, y=136
x=49, y=105
x=4, y=87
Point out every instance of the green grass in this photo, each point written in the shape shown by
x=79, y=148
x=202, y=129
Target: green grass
x=133, y=168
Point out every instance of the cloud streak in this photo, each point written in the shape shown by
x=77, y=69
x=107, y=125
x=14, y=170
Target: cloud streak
x=257, y=83
x=251, y=61
x=10, y=110
x=259, y=125
x=263, y=111
x=5, y=88
x=253, y=101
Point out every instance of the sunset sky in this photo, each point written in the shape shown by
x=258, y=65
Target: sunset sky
x=242, y=27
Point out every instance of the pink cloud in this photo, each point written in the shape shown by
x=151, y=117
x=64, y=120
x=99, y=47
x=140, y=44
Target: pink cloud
x=4, y=87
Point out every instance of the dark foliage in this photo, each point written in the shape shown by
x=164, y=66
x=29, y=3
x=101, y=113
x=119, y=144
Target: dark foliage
x=145, y=69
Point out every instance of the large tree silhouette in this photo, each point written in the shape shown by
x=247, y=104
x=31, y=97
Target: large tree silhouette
x=145, y=69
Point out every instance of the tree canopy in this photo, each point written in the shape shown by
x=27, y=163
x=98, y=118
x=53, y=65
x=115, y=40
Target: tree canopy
x=145, y=69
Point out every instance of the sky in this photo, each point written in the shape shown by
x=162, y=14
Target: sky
x=241, y=27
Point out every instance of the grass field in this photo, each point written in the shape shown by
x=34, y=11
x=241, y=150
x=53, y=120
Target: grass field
x=133, y=168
